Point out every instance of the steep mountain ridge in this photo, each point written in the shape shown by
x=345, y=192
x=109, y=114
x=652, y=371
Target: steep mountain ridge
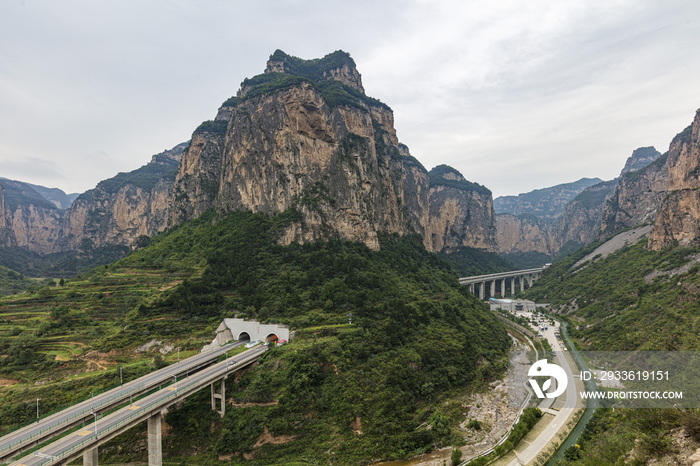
x=304, y=136
x=116, y=212
x=594, y=212
x=546, y=203
x=678, y=217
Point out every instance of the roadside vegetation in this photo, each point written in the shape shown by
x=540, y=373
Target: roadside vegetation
x=634, y=299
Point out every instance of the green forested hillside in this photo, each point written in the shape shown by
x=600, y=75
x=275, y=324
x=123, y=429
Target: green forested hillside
x=415, y=336
x=634, y=299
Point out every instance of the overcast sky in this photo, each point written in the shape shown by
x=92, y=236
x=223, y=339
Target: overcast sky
x=517, y=95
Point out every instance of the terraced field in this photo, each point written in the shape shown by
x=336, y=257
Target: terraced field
x=60, y=339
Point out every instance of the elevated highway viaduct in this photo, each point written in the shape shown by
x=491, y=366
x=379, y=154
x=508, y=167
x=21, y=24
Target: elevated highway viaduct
x=478, y=284
x=36, y=433
x=85, y=442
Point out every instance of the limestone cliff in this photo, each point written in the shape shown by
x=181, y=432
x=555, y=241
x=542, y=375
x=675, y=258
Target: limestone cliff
x=581, y=221
x=461, y=213
x=678, y=217
x=116, y=212
x=304, y=136
x=635, y=199
x=640, y=158
x=121, y=209
x=545, y=203
x=27, y=219
x=526, y=233
x=596, y=211
x=416, y=195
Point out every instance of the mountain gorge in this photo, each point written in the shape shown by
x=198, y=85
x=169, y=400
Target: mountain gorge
x=571, y=215
x=297, y=205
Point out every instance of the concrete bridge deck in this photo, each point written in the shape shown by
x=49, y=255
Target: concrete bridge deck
x=84, y=442
x=479, y=282
x=39, y=432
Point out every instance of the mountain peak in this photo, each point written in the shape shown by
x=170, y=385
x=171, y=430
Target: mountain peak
x=640, y=158
x=337, y=65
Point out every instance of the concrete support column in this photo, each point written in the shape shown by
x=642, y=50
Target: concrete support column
x=512, y=286
x=155, y=446
x=493, y=289
x=529, y=280
x=471, y=288
x=503, y=288
x=482, y=290
x=90, y=457
x=221, y=395
x=522, y=283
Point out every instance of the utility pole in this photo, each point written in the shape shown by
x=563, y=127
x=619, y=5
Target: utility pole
x=37, y=409
x=121, y=379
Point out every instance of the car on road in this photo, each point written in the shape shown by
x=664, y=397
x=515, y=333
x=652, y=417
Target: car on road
x=253, y=343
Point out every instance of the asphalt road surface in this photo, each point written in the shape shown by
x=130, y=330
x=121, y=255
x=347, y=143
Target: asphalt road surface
x=47, y=427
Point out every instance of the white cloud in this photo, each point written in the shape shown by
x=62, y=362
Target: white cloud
x=516, y=95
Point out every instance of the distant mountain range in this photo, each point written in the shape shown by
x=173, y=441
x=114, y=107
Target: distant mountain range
x=545, y=203
x=19, y=192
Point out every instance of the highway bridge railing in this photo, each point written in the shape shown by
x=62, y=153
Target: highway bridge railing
x=148, y=410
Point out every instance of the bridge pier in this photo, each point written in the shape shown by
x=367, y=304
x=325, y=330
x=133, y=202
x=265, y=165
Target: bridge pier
x=155, y=446
x=497, y=283
x=90, y=457
x=221, y=395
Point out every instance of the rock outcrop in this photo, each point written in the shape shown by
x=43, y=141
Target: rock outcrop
x=301, y=137
x=545, y=203
x=304, y=136
x=461, y=213
x=27, y=219
x=116, y=212
x=526, y=233
x=640, y=158
x=581, y=221
x=596, y=211
x=635, y=199
x=678, y=217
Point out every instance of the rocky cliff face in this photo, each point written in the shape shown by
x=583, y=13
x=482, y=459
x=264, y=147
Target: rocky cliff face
x=116, y=212
x=678, y=217
x=581, y=221
x=27, y=219
x=640, y=158
x=304, y=136
x=596, y=211
x=546, y=203
x=526, y=233
x=461, y=213
x=121, y=209
x=635, y=199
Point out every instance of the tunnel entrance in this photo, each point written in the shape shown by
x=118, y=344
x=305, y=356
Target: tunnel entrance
x=244, y=336
x=272, y=339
